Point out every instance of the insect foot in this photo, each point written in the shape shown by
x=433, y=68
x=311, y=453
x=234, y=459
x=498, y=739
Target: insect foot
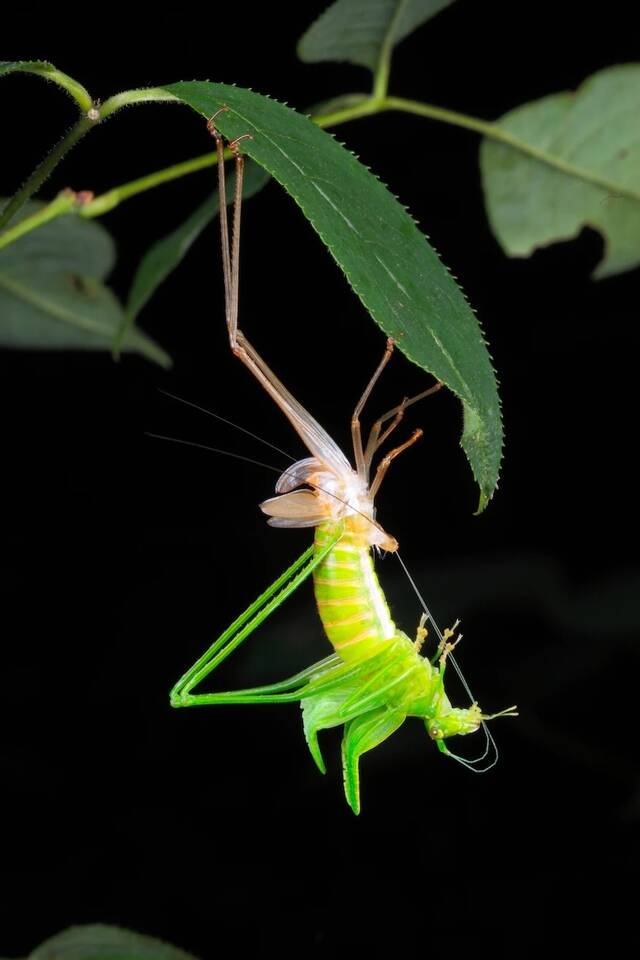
x=421, y=633
x=177, y=699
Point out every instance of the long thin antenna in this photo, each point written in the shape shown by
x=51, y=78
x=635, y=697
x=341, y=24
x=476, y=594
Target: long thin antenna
x=229, y=423
x=257, y=463
x=204, y=446
x=489, y=740
x=470, y=764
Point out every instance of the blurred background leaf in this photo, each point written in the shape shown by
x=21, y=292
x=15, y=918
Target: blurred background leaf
x=594, y=132
x=53, y=295
x=359, y=30
x=98, y=941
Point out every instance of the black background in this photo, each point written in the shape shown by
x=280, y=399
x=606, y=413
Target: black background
x=124, y=556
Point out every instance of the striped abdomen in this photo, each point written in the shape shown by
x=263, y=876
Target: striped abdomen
x=351, y=604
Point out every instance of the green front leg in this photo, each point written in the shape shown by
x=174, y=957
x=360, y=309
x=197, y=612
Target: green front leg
x=362, y=734
x=322, y=708
x=340, y=695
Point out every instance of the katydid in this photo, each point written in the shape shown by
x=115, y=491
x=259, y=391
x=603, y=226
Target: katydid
x=377, y=676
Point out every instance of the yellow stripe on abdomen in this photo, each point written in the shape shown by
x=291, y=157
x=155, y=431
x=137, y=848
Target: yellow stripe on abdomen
x=351, y=604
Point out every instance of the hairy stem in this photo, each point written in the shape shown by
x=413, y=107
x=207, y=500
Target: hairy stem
x=93, y=113
x=495, y=132
x=107, y=201
x=63, y=203
x=42, y=171
x=367, y=106
x=129, y=97
x=75, y=89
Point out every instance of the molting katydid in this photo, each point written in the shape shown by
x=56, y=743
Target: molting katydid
x=376, y=676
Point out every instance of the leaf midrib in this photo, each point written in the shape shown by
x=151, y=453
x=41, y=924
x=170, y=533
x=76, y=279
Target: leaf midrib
x=52, y=309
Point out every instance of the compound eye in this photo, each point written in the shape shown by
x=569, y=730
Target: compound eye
x=435, y=732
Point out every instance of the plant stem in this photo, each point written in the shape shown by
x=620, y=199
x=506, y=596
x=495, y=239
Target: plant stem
x=42, y=171
x=63, y=203
x=75, y=90
x=383, y=67
x=367, y=106
x=492, y=131
x=128, y=97
x=92, y=114
x=107, y=201
x=495, y=132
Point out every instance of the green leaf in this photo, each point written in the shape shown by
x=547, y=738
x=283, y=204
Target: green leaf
x=592, y=135
x=98, y=941
x=165, y=255
x=360, y=30
x=389, y=263
x=51, y=290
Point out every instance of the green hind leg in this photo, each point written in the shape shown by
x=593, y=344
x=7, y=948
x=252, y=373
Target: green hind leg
x=241, y=628
x=285, y=691
x=362, y=734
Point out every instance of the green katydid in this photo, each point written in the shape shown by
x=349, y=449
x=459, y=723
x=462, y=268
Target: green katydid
x=377, y=676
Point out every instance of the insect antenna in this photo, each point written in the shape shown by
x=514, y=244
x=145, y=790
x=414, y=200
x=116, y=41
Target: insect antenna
x=204, y=446
x=229, y=423
x=239, y=456
x=489, y=741
x=256, y=463
x=472, y=764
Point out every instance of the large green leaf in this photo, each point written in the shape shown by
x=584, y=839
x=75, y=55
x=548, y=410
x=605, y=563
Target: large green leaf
x=388, y=262
x=359, y=30
x=52, y=294
x=98, y=941
x=593, y=133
